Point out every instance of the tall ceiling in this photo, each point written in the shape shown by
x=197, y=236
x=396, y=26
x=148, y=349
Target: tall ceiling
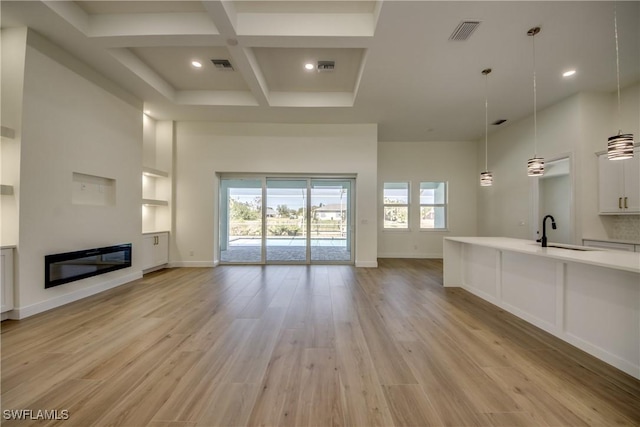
x=395, y=64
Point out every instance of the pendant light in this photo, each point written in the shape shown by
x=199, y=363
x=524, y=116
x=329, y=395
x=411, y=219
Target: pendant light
x=620, y=146
x=486, y=177
x=535, y=165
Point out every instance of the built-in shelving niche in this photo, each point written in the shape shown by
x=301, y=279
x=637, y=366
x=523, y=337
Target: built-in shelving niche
x=157, y=160
x=154, y=202
x=155, y=173
x=156, y=187
x=6, y=132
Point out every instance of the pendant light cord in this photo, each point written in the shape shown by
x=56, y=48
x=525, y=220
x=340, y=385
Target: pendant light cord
x=486, y=121
x=535, y=109
x=615, y=25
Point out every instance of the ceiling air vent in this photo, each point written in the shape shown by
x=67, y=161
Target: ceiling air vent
x=222, y=64
x=326, y=65
x=464, y=30
x=499, y=122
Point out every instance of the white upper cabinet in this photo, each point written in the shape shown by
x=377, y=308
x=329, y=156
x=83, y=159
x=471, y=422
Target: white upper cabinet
x=619, y=185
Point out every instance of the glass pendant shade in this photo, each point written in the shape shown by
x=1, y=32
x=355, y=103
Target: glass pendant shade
x=620, y=146
x=486, y=179
x=535, y=166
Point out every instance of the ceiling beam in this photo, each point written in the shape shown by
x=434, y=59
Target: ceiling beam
x=223, y=15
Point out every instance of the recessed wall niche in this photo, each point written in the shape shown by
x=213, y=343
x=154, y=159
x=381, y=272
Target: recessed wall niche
x=93, y=190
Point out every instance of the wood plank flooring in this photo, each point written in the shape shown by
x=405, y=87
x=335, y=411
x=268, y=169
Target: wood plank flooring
x=302, y=346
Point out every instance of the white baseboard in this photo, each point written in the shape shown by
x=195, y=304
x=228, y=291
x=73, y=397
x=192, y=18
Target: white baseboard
x=156, y=268
x=410, y=255
x=188, y=264
x=367, y=264
x=30, y=310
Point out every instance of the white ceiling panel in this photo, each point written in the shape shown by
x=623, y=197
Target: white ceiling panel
x=174, y=65
x=126, y=7
x=305, y=6
x=283, y=69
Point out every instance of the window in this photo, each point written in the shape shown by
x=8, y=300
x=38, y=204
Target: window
x=396, y=205
x=433, y=205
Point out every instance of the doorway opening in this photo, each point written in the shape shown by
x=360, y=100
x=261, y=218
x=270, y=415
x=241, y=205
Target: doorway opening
x=286, y=220
x=554, y=192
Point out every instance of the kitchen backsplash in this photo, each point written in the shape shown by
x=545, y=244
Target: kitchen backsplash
x=626, y=227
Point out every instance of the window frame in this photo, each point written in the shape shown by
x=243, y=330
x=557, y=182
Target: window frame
x=434, y=205
x=407, y=206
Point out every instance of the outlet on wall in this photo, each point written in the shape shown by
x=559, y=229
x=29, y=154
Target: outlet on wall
x=190, y=253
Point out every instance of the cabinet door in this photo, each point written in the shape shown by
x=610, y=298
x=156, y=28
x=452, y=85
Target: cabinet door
x=161, y=249
x=632, y=183
x=610, y=186
x=148, y=248
x=6, y=280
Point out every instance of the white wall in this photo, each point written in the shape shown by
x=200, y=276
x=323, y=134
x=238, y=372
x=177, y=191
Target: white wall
x=12, y=81
x=149, y=142
x=453, y=162
x=69, y=124
x=577, y=126
x=505, y=208
x=204, y=149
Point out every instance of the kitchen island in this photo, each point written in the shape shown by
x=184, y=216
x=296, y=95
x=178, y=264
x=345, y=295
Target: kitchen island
x=585, y=296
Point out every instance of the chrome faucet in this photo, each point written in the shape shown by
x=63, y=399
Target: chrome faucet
x=543, y=239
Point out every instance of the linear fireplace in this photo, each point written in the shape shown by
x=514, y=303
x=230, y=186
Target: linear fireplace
x=70, y=266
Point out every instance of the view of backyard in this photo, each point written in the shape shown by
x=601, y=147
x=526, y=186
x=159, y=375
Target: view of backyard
x=291, y=220
x=245, y=220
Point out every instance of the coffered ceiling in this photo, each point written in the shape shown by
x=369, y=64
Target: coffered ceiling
x=394, y=62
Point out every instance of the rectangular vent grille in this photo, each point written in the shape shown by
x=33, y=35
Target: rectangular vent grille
x=499, y=122
x=222, y=64
x=464, y=30
x=326, y=65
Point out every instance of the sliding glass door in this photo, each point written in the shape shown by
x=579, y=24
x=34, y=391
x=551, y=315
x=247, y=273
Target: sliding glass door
x=331, y=228
x=302, y=220
x=286, y=218
x=241, y=221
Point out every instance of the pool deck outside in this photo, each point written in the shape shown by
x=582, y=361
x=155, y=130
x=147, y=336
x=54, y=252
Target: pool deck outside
x=288, y=241
x=286, y=249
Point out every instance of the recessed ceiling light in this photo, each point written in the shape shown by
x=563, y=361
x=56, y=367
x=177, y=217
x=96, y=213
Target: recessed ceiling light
x=568, y=73
x=196, y=64
x=309, y=66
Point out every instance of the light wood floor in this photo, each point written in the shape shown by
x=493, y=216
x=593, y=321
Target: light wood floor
x=299, y=345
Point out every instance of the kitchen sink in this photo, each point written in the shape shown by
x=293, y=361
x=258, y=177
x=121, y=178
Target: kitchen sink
x=571, y=248
x=568, y=247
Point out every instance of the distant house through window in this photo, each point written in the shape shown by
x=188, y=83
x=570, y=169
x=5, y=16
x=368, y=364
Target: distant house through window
x=396, y=205
x=433, y=205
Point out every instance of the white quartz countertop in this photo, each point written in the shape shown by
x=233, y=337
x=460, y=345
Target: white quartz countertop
x=619, y=260
x=626, y=242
